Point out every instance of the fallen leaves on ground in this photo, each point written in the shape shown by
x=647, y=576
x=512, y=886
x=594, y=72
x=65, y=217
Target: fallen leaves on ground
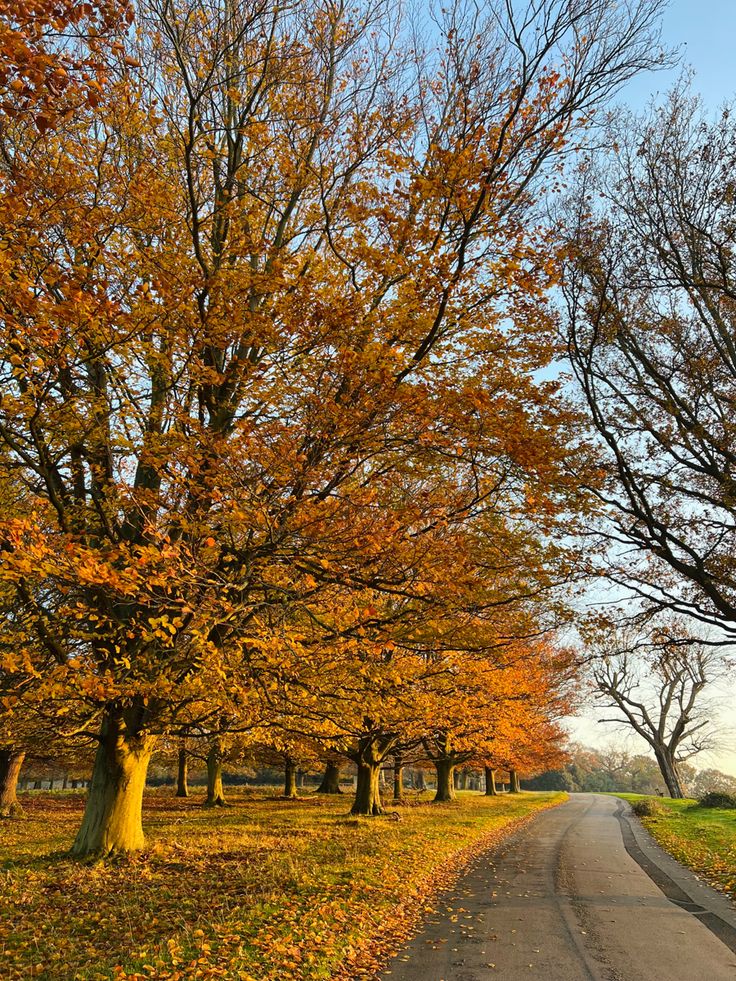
x=266, y=890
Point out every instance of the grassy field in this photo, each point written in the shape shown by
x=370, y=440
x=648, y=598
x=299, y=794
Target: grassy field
x=266, y=889
x=703, y=838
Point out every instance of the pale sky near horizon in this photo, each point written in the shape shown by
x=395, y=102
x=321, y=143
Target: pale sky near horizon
x=704, y=32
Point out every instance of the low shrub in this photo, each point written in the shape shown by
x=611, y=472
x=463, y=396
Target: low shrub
x=647, y=808
x=717, y=798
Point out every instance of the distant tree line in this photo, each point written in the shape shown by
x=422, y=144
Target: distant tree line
x=613, y=770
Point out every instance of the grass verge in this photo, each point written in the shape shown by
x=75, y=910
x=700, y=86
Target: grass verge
x=702, y=838
x=265, y=890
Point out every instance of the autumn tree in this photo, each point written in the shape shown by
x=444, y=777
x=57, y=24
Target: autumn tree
x=273, y=319
x=54, y=54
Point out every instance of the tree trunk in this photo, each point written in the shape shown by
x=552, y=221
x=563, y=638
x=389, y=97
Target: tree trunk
x=215, y=793
x=290, y=779
x=182, y=787
x=445, y=781
x=514, y=785
x=668, y=769
x=462, y=783
x=112, y=822
x=11, y=761
x=398, y=779
x=367, y=793
x=420, y=781
x=491, y=782
x=331, y=780
x=64, y=782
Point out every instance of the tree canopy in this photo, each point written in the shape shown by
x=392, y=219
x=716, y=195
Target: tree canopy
x=273, y=342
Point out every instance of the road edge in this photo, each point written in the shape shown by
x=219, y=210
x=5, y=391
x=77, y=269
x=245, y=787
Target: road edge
x=678, y=883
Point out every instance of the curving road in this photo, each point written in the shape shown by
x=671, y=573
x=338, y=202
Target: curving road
x=581, y=894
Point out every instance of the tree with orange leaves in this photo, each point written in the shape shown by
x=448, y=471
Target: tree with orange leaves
x=502, y=708
x=271, y=332
x=54, y=54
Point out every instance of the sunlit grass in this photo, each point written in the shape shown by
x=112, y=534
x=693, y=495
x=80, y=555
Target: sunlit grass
x=703, y=838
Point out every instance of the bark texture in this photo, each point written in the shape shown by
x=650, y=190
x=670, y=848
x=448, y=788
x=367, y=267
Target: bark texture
x=398, y=780
x=290, y=779
x=668, y=769
x=491, y=782
x=368, y=792
x=112, y=822
x=514, y=785
x=11, y=761
x=368, y=756
x=215, y=791
x=182, y=786
x=445, y=781
x=331, y=780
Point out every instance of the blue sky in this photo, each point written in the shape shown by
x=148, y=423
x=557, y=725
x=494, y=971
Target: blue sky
x=705, y=32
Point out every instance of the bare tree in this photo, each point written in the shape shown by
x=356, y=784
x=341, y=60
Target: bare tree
x=656, y=686
x=651, y=311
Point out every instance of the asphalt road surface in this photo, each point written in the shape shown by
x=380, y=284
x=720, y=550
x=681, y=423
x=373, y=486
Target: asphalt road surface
x=581, y=894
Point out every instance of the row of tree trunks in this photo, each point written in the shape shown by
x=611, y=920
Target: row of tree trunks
x=112, y=821
x=11, y=761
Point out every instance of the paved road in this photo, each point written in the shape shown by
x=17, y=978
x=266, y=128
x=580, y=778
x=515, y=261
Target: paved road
x=581, y=894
